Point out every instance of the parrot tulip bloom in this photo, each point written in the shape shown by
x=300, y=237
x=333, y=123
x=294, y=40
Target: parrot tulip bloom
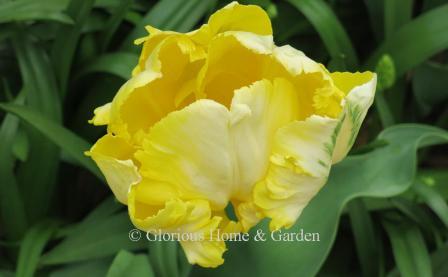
x=222, y=115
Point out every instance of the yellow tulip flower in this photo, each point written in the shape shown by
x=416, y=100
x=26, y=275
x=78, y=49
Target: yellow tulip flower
x=222, y=115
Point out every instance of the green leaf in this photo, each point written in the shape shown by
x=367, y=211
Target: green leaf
x=434, y=200
x=436, y=178
x=430, y=85
x=439, y=264
x=21, y=146
x=384, y=172
x=330, y=30
x=90, y=268
x=163, y=255
x=417, y=214
x=396, y=14
x=128, y=264
x=64, y=138
x=416, y=41
x=107, y=208
x=64, y=46
x=409, y=248
x=23, y=10
x=375, y=9
x=36, y=174
x=175, y=15
x=365, y=238
x=13, y=215
x=32, y=246
x=120, y=64
x=112, y=24
x=102, y=238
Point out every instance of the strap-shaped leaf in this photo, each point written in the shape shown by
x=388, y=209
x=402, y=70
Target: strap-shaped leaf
x=22, y=10
x=330, y=30
x=416, y=41
x=117, y=63
x=128, y=264
x=62, y=137
x=409, y=248
x=32, y=246
x=175, y=15
x=101, y=239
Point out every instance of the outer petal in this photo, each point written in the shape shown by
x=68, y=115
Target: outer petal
x=236, y=17
x=101, y=115
x=181, y=217
x=113, y=156
x=360, y=91
x=299, y=167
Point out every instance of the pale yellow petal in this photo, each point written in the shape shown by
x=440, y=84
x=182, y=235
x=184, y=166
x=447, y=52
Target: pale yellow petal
x=191, y=150
x=271, y=104
x=205, y=253
x=193, y=218
x=360, y=91
x=113, y=155
x=299, y=166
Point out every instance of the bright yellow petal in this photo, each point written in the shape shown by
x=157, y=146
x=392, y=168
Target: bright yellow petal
x=236, y=17
x=308, y=76
x=166, y=84
x=223, y=72
x=360, y=91
x=299, y=166
x=113, y=155
x=101, y=115
x=150, y=43
x=204, y=253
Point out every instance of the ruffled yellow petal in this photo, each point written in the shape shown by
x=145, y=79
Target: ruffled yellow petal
x=299, y=166
x=166, y=84
x=359, y=89
x=101, y=115
x=191, y=150
x=271, y=104
x=236, y=17
x=205, y=253
x=207, y=151
x=310, y=78
x=113, y=155
x=223, y=73
x=193, y=218
x=264, y=138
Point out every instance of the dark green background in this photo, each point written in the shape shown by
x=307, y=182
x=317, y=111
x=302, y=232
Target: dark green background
x=383, y=212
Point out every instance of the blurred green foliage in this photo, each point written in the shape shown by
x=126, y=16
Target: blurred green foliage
x=383, y=212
